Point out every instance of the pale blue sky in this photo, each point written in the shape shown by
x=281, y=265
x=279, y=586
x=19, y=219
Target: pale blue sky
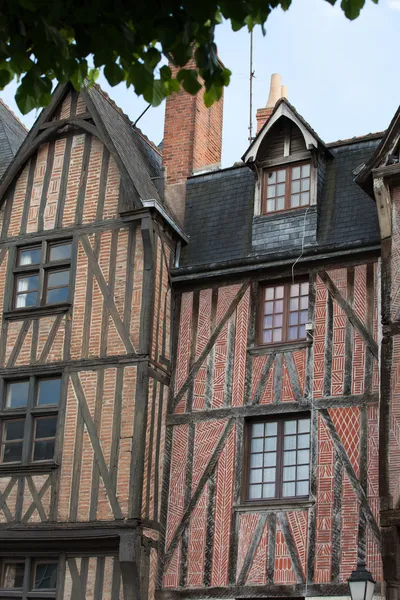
x=342, y=76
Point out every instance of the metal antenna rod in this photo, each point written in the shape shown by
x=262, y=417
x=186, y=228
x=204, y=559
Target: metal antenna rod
x=251, y=89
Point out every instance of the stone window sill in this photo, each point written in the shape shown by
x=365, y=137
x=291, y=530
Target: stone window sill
x=282, y=347
x=37, y=311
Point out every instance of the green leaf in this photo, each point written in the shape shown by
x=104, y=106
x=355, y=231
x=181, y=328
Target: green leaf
x=5, y=77
x=165, y=73
x=114, y=73
x=352, y=8
x=213, y=94
x=189, y=81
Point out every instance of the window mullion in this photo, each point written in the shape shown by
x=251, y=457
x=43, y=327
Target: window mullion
x=28, y=429
x=279, y=461
x=288, y=187
x=42, y=273
x=27, y=578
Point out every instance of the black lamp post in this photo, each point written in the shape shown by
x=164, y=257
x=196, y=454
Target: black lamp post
x=361, y=583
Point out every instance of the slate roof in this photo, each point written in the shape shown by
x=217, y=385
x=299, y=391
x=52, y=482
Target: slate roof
x=219, y=209
x=140, y=159
x=12, y=134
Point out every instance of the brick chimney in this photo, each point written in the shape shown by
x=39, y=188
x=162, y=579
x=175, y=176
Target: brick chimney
x=192, y=143
x=276, y=92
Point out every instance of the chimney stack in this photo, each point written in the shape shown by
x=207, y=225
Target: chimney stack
x=192, y=142
x=276, y=92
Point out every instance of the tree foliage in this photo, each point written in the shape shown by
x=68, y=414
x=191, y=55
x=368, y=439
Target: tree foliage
x=43, y=40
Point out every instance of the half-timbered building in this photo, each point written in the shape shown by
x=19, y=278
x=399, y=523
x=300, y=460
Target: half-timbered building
x=198, y=366
x=272, y=483
x=86, y=248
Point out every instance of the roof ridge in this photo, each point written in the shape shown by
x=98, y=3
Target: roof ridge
x=357, y=138
x=126, y=117
x=14, y=115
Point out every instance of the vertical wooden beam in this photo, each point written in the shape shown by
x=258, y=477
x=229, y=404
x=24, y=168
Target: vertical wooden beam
x=210, y=530
x=386, y=357
x=138, y=442
x=64, y=182
x=230, y=360
x=148, y=286
x=129, y=561
x=46, y=182
x=337, y=516
x=271, y=547
x=278, y=378
x=328, y=347
x=237, y=493
x=28, y=194
x=80, y=202
x=349, y=335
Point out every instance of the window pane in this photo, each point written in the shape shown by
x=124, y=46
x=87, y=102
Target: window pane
x=302, y=472
x=269, y=490
x=58, y=295
x=304, y=288
x=271, y=428
x=278, y=306
x=60, y=252
x=256, y=460
x=267, y=322
x=58, y=278
x=305, y=198
x=280, y=189
x=288, y=489
x=302, y=488
x=289, y=458
x=293, y=318
x=257, y=430
x=271, y=191
x=45, y=576
x=304, y=302
x=29, y=299
x=305, y=171
x=257, y=445
x=305, y=185
x=295, y=200
x=289, y=442
x=304, y=441
x=255, y=492
x=294, y=304
x=28, y=283
x=49, y=391
x=45, y=427
x=303, y=317
x=281, y=175
x=267, y=337
x=268, y=308
x=278, y=320
x=270, y=459
x=269, y=475
x=271, y=205
x=303, y=457
x=270, y=444
x=17, y=394
x=296, y=173
x=289, y=473
x=294, y=289
x=269, y=293
x=12, y=452
x=290, y=427
x=43, y=450
x=277, y=335
x=13, y=575
x=30, y=256
x=272, y=177
x=279, y=291
x=303, y=425
x=280, y=203
x=14, y=430
x=293, y=334
x=295, y=187
x=255, y=475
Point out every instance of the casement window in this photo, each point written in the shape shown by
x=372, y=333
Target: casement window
x=286, y=188
x=28, y=420
x=283, y=312
x=42, y=274
x=278, y=458
x=27, y=578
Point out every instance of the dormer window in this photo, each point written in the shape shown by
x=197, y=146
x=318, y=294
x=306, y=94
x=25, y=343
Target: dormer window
x=286, y=188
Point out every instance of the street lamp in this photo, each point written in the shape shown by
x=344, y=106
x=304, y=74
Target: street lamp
x=361, y=583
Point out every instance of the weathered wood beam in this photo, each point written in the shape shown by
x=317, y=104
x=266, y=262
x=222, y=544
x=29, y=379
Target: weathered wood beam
x=210, y=344
x=384, y=206
x=349, y=312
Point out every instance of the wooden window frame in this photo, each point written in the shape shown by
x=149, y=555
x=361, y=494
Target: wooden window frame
x=27, y=592
x=42, y=270
x=280, y=419
x=288, y=187
x=285, y=319
x=30, y=414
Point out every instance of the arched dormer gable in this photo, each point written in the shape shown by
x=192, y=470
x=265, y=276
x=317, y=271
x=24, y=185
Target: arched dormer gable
x=285, y=132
